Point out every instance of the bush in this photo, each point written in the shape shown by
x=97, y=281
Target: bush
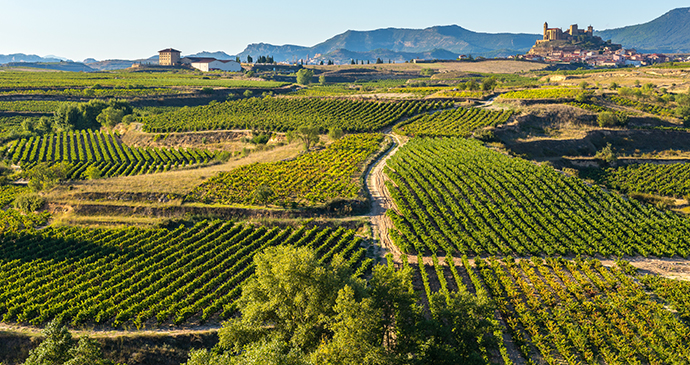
x=92, y=173
x=207, y=90
x=304, y=76
x=248, y=93
x=610, y=119
x=607, y=154
x=335, y=133
x=427, y=72
x=28, y=202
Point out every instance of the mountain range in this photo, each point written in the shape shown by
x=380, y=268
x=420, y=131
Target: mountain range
x=669, y=33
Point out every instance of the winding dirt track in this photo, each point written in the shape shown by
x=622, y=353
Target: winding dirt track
x=382, y=201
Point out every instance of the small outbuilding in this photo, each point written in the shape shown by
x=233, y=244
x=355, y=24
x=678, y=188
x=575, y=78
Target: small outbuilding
x=212, y=64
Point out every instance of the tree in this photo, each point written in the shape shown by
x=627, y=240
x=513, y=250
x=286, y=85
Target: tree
x=28, y=202
x=472, y=85
x=59, y=348
x=263, y=194
x=308, y=135
x=322, y=79
x=352, y=61
x=110, y=117
x=249, y=59
x=92, y=173
x=610, y=119
x=607, y=154
x=304, y=76
x=489, y=84
x=45, y=175
x=379, y=61
x=335, y=133
x=330, y=62
x=584, y=85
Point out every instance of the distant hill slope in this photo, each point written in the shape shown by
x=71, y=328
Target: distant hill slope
x=451, y=40
x=219, y=55
x=56, y=66
x=21, y=57
x=669, y=33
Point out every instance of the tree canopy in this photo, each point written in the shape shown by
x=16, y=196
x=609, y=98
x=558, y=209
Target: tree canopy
x=299, y=310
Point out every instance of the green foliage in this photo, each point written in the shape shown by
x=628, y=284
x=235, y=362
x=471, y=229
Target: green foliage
x=304, y=76
x=92, y=173
x=188, y=271
x=607, y=154
x=427, y=72
x=658, y=179
x=59, y=348
x=285, y=114
x=308, y=135
x=542, y=94
x=315, y=177
x=335, y=133
x=82, y=150
x=611, y=119
x=46, y=175
x=455, y=122
x=446, y=189
x=489, y=84
x=322, y=79
x=28, y=202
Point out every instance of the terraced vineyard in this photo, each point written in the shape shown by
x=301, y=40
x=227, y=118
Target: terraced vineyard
x=40, y=106
x=658, y=179
x=82, y=149
x=642, y=106
x=140, y=277
x=460, y=122
x=456, y=195
x=314, y=177
x=283, y=114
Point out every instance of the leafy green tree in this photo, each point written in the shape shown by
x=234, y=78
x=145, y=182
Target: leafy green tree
x=28, y=202
x=308, y=135
x=291, y=291
x=304, y=76
x=607, y=154
x=584, y=85
x=110, y=117
x=46, y=175
x=472, y=85
x=489, y=84
x=59, y=348
x=335, y=133
x=613, y=86
x=263, y=194
x=92, y=173
x=427, y=72
x=322, y=79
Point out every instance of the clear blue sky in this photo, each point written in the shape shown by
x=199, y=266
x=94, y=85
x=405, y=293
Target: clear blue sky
x=129, y=29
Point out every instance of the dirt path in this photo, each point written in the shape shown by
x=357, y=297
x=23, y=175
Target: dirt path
x=101, y=333
x=382, y=201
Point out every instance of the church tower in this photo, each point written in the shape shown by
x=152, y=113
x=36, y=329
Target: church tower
x=546, y=26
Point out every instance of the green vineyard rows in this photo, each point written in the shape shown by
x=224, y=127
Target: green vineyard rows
x=85, y=148
x=283, y=114
x=460, y=122
x=676, y=292
x=658, y=179
x=542, y=94
x=560, y=311
x=14, y=80
x=98, y=92
x=142, y=277
x=314, y=177
x=39, y=106
x=456, y=195
x=641, y=106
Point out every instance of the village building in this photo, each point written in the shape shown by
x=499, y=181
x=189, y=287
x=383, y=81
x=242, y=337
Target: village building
x=169, y=57
x=212, y=64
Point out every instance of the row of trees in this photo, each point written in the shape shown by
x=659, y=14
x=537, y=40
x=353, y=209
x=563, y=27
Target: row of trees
x=74, y=116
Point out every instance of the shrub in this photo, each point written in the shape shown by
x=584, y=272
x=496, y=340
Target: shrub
x=28, y=202
x=92, y=173
x=610, y=119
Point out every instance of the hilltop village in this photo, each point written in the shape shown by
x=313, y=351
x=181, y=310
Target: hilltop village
x=577, y=45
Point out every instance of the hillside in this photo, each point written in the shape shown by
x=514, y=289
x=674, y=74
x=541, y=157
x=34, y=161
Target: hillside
x=403, y=44
x=21, y=57
x=669, y=33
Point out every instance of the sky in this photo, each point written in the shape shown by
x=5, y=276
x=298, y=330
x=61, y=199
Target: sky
x=132, y=29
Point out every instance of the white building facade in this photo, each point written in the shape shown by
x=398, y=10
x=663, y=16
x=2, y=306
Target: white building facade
x=207, y=65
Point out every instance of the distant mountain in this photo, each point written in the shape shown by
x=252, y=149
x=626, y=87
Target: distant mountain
x=58, y=66
x=90, y=60
x=451, y=40
x=669, y=33
x=219, y=55
x=21, y=57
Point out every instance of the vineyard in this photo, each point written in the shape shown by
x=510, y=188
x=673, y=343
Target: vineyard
x=314, y=177
x=641, y=106
x=283, y=114
x=38, y=106
x=659, y=179
x=143, y=277
x=456, y=195
x=17, y=80
x=542, y=94
x=571, y=311
x=97, y=92
x=82, y=149
x=460, y=122
x=12, y=220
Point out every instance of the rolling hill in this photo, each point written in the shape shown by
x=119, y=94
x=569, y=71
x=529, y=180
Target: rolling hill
x=669, y=33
